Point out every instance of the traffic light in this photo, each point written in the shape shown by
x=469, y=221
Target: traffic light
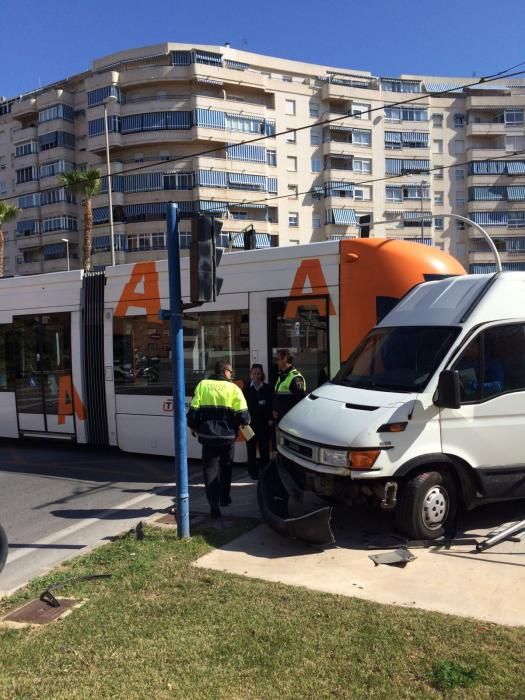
x=204, y=259
x=249, y=238
x=364, y=225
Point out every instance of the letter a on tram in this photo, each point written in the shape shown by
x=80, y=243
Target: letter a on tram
x=141, y=291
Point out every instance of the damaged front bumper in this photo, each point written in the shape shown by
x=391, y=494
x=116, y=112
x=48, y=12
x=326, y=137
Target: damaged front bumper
x=290, y=509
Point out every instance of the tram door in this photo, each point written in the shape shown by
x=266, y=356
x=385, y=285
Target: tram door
x=43, y=385
x=301, y=326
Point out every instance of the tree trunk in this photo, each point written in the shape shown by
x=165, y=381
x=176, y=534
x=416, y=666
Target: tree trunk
x=1, y=253
x=88, y=228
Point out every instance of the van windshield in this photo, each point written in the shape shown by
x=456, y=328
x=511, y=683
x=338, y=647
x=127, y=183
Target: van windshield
x=397, y=359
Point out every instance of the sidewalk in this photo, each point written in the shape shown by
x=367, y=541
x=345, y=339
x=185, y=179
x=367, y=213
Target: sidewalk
x=488, y=586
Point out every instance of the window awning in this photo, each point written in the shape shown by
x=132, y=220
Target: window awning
x=249, y=180
x=516, y=167
x=393, y=137
x=516, y=193
x=415, y=137
x=211, y=178
x=415, y=215
x=101, y=242
x=246, y=205
x=209, y=81
x=342, y=217
x=443, y=87
x=246, y=152
x=54, y=249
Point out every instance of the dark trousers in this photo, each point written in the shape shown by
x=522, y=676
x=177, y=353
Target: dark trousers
x=261, y=440
x=217, y=466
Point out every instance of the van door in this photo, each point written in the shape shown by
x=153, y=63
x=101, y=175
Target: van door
x=487, y=430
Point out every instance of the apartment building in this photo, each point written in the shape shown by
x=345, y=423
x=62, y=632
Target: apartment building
x=295, y=150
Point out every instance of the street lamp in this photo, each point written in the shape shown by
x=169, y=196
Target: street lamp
x=424, y=184
x=109, y=100
x=66, y=241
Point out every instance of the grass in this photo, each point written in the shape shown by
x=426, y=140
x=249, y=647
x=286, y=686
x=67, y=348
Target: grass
x=160, y=628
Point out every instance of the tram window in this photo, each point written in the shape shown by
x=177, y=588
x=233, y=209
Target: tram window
x=7, y=359
x=142, y=350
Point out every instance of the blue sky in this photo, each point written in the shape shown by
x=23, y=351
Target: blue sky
x=47, y=40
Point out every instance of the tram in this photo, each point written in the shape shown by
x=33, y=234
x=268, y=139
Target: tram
x=84, y=356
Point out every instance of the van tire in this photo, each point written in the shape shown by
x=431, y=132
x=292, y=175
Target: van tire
x=427, y=505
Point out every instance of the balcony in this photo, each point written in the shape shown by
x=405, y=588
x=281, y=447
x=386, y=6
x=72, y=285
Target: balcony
x=24, y=133
x=29, y=268
x=486, y=152
x=24, y=109
x=489, y=128
x=52, y=97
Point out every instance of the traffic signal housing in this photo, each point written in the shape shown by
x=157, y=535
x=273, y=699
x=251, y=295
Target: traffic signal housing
x=365, y=221
x=204, y=259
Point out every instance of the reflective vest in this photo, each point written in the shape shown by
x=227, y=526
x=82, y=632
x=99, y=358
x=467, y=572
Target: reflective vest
x=282, y=386
x=217, y=410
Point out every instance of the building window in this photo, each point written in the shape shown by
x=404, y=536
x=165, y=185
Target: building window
x=315, y=137
x=438, y=223
x=459, y=146
x=361, y=165
x=460, y=174
x=316, y=165
x=460, y=225
x=290, y=136
x=438, y=197
x=293, y=218
x=316, y=221
x=271, y=157
x=360, y=110
x=291, y=164
x=460, y=198
x=293, y=191
x=289, y=107
x=459, y=120
x=438, y=173
x=437, y=121
x=287, y=78
x=314, y=109
x=437, y=146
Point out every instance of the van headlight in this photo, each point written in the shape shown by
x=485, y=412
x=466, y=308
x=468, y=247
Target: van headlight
x=333, y=458
x=280, y=437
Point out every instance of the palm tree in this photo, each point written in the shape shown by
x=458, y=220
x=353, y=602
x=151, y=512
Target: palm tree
x=85, y=183
x=7, y=213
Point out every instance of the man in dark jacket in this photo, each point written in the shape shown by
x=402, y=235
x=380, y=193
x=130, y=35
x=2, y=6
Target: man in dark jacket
x=259, y=399
x=290, y=386
x=217, y=411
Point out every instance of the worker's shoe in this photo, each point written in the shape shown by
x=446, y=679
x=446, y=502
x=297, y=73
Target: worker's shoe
x=215, y=511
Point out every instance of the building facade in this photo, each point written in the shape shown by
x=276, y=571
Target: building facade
x=297, y=151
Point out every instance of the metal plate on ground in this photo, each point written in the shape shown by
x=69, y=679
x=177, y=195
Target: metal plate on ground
x=38, y=613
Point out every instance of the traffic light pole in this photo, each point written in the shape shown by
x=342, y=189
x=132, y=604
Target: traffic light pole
x=177, y=364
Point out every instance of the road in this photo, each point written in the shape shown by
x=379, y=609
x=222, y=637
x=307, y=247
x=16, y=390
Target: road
x=58, y=499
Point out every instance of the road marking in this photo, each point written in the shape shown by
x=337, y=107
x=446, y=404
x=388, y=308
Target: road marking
x=61, y=534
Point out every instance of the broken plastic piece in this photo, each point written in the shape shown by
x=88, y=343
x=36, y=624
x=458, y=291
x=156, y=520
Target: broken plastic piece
x=399, y=557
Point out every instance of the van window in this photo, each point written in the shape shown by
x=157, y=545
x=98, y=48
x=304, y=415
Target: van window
x=397, y=359
x=492, y=363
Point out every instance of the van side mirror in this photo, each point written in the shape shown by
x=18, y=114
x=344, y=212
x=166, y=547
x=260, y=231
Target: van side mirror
x=448, y=393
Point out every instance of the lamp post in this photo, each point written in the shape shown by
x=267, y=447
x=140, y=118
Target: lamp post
x=66, y=241
x=109, y=100
x=424, y=184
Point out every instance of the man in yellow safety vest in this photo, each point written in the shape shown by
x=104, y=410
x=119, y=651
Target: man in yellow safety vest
x=217, y=411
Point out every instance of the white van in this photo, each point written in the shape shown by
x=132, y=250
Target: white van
x=428, y=413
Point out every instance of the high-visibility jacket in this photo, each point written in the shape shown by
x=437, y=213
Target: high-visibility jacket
x=290, y=388
x=217, y=410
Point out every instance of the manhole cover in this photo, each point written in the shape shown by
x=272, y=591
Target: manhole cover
x=38, y=613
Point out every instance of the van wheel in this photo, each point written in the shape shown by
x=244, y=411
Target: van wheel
x=427, y=505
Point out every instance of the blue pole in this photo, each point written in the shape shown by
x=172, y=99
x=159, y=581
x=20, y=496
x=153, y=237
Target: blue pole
x=177, y=364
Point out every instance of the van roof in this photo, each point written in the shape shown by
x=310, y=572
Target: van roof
x=454, y=300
